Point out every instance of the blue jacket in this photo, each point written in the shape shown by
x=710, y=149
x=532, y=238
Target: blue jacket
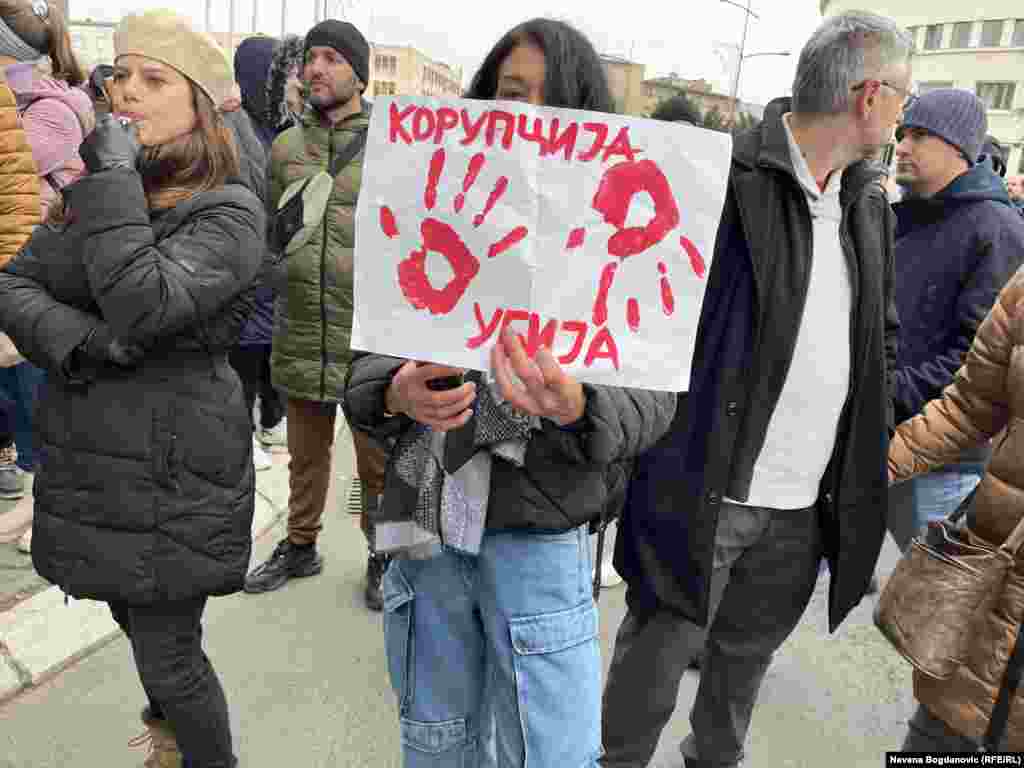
x=954, y=253
x=748, y=327
x=252, y=68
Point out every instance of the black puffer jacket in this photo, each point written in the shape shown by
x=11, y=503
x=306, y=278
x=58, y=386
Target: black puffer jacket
x=570, y=476
x=145, y=489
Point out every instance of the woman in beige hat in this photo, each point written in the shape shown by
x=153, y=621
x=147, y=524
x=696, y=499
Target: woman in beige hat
x=131, y=300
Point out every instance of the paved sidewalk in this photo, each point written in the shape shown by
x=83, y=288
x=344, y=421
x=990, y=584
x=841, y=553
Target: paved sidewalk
x=40, y=634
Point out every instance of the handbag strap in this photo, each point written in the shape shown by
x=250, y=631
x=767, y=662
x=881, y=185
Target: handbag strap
x=343, y=158
x=1013, y=541
x=961, y=509
x=1011, y=682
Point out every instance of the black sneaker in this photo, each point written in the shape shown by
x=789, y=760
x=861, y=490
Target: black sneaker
x=375, y=567
x=286, y=562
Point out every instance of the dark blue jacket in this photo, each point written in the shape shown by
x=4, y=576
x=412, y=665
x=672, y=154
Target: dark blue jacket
x=954, y=253
x=252, y=68
x=748, y=327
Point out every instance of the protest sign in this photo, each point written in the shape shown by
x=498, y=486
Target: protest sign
x=588, y=233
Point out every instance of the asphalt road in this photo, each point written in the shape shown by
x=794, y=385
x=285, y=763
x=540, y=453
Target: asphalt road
x=305, y=675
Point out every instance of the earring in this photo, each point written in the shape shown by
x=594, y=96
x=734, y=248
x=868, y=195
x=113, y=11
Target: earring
x=41, y=8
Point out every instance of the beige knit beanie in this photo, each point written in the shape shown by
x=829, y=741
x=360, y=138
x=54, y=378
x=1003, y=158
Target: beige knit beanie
x=168, y=37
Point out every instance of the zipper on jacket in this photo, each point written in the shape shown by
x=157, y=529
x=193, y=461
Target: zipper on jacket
x=323, y=275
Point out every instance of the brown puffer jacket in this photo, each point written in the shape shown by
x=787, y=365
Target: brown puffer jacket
x=19, y=180
x=986, y=396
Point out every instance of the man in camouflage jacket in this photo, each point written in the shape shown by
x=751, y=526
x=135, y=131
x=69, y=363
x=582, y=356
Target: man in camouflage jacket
x=313, y=313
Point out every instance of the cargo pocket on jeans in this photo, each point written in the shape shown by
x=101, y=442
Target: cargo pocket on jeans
x=398, y=607
x=558, y=686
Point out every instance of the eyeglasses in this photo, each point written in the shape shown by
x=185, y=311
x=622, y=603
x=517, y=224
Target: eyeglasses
x=909, y=97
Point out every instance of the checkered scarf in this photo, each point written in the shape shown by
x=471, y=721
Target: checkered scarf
x=426, y=505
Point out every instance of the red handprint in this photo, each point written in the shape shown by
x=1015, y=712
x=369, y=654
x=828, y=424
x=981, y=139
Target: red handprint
x=620, y=184
x=442, y=238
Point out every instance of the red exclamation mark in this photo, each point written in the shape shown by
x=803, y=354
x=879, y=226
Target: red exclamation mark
x=475, y=164
x=633, y=315
x=601, y=305
x=436, y=168
x=387, y=222
x=696, y=260
x=668, y=300
x=492, y=200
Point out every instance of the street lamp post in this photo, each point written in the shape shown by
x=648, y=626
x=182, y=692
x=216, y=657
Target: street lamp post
x=743, y=56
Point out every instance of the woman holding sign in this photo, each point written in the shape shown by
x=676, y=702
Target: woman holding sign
x=490, y=623
x=130, y=299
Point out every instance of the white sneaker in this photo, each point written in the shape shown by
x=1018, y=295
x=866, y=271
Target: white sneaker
x=276, y=436
x=25, y=542
x=260, y=459
x=609, y=576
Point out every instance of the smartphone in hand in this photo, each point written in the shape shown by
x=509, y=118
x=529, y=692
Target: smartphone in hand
x=444, y=383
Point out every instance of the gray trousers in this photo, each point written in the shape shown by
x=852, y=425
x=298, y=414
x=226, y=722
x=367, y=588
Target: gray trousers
x=765, y=568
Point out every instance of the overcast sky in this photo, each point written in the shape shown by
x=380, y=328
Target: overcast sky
x=691, y=38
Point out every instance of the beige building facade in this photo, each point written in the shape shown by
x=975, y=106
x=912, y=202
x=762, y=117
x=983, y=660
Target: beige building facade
x=402, y=70
x=626, y=82
x=977, y=48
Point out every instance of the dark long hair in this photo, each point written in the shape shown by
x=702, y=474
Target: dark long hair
x=575, y=76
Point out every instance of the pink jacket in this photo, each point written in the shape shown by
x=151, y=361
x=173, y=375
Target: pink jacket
x=57, y=117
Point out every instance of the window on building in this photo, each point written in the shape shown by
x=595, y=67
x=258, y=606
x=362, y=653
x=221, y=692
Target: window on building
x=997, y=95
x=1018, y=35
x=962, y=35
x=933, y=37
x=912, y=31
x=991, y=34
x=931, y=85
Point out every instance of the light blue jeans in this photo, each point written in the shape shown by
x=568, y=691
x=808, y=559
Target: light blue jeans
x=934, y=496
x=495, y=659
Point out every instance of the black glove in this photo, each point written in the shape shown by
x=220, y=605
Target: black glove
x=111, y=145
x=102, y=346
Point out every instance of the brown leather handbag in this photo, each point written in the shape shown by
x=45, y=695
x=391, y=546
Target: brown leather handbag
x=926, y=608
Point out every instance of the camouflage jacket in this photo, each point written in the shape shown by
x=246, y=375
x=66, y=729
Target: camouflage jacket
x=313, y=312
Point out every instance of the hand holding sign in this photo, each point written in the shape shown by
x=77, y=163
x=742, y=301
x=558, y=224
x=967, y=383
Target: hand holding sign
x=546, y=390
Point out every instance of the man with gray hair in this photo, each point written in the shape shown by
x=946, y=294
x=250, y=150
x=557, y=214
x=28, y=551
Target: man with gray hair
x=776, y=459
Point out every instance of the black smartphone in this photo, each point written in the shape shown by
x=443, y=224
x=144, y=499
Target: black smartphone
x=444, y=382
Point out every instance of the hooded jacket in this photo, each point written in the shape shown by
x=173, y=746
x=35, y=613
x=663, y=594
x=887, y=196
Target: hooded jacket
x=57, y=118
x=954, y=252
x=252, y=71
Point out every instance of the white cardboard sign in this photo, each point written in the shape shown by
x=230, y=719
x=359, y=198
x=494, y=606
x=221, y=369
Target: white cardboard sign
x=589, y=233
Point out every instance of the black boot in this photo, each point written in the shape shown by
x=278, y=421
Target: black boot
x=375, y=567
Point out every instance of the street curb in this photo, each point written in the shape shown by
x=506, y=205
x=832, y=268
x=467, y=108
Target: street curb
x=43, y=635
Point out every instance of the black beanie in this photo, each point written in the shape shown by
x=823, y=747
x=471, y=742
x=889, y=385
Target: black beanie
x=346, y=40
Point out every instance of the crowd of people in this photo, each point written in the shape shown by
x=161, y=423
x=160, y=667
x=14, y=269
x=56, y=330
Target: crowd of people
x=164, y=325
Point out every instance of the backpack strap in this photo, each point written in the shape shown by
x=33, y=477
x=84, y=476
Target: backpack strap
x=346, y=155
